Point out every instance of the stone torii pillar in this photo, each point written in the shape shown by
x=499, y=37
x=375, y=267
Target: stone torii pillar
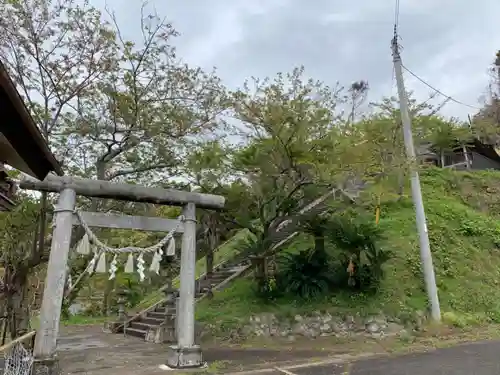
x=185, y=354
x=44, y=353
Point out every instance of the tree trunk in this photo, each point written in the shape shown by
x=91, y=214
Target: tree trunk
x=17, y=305
x=75, y=269
x=213, y=240
x=210, y=262
x=106, y=299
x=319, y=242
x=401, y=184
x=42, y=227
x=3, y=319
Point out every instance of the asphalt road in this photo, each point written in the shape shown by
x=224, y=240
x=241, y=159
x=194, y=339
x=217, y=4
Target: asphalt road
x=482, y=358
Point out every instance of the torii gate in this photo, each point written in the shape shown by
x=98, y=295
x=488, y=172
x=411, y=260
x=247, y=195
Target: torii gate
x=185, y=354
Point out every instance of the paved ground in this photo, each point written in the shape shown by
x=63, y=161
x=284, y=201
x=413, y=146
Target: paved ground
x=89, y=351
x=480, y=358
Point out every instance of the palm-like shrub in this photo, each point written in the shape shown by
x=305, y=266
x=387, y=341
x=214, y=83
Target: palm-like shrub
x=360, y=259
x=306, y=274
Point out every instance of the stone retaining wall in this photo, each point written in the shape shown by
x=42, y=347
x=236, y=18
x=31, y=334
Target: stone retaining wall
x=268, y=325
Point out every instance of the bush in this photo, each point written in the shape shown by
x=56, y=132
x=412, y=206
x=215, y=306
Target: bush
x=267, y=289
x=306, y=274
x=360, y=259
x=354, y=264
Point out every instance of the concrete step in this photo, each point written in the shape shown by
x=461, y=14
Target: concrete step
x=165, y=309
x=220, y=277
x=207, y=283
x=140, y=325
x=155, y=315
x=152, y=321
x=217, y=277
x=136, y=332
x=236, y=263
x=223, y=274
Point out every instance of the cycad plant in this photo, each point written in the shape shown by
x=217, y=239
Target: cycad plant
x=361, y=259
x=306, y=274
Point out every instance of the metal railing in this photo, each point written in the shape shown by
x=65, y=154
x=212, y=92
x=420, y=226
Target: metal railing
x=18, y=355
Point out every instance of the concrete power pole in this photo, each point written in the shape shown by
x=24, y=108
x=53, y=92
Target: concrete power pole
x=425, y=251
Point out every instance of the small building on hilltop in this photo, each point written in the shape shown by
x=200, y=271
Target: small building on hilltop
x=475, y=155
x=22, y=145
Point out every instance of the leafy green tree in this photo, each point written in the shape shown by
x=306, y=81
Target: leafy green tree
x=486, y=122
x=294, y=140
x=18, y=259
x=110, y=108
x=445, y=136
x=295, y=143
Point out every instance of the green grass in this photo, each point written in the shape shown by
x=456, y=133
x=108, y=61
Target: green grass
x=81, y=320
x=463, y=213
x=225, y=252
x=75, y=320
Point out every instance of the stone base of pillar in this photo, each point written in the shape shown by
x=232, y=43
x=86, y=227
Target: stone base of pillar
x=48, y=366
x=185, y=358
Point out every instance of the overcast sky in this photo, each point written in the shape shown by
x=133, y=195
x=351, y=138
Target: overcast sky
x=448, y=43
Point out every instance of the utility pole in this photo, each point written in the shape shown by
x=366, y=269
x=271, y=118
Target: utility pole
x=425, y=251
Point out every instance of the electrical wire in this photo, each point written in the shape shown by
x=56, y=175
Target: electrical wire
x=396, y=38
x=450, y=98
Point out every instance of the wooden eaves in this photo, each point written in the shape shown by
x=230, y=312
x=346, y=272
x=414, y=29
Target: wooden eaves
x=22, y=145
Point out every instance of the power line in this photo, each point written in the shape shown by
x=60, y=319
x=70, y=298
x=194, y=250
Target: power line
x=395, y=40
x=450, y=98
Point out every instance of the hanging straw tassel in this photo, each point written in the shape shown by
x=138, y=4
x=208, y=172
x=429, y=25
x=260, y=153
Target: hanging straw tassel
x=155, y=263
x=129, y=266
x=113, y=267
x=171, y=247
x=83, y=246
x=101, y=264
x=91, y=265
x=140, y=267
x=70, y=282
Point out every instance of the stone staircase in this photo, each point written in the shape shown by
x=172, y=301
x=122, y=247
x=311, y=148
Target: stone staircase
x=157, y=324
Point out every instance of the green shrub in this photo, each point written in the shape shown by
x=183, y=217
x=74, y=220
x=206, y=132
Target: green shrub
x=306, y=274
x=267, y=289
x=360, y=260
x=355, y=263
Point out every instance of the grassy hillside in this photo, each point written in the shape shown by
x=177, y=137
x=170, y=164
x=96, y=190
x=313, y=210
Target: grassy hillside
x=463, y=212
